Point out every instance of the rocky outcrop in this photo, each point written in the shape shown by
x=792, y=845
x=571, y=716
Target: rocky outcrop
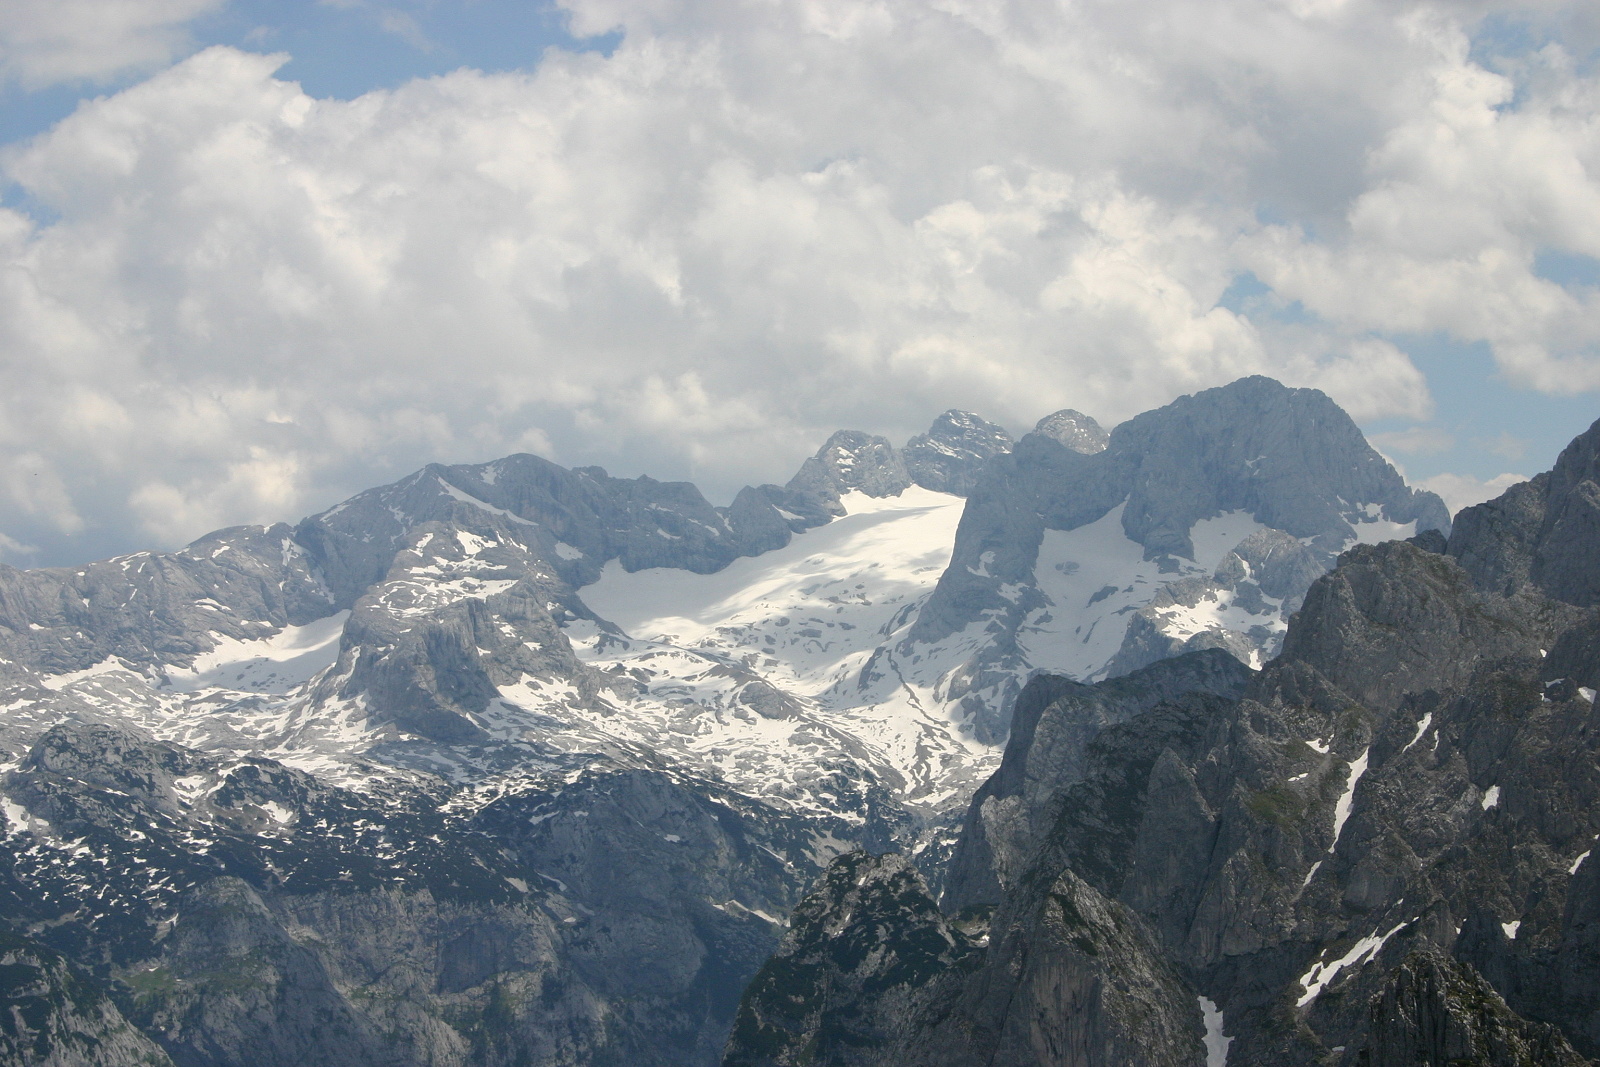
x=1074, y=429
x=946, y=459
x=949, y=457
x=51, y=1016
x=1053, y=725
x=1540, y=533
x=1070, y=977
x=860, y=949
x=851, y=460
x=1435, y=1010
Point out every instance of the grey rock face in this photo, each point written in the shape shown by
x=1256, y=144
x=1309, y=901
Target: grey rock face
x=949, y=456
x=1070, y=977
x=837, y=991
x=1436, y=1010
x=851, y=460
x=1539, y=533
x=1053, y=725
x=1289, y=459
x=1074, y=429
x=51, y=1016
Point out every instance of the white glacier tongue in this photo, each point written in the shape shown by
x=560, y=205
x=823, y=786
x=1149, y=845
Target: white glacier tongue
x=810, y=607
x=802, y=620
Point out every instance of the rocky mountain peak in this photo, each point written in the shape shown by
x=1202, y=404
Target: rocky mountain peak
x=947, y=458
x=1537, y=533
x=1220, y=508
x=1077, y=431
x=852, y=460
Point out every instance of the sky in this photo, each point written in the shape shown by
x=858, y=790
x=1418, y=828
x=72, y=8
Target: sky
x=258, y=256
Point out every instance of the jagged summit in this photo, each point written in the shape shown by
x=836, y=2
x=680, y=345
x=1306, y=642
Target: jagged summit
x=1077, y=431
x=948, y=458
x=1199, y=525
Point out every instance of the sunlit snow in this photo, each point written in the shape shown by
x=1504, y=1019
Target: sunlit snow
x=274, y=664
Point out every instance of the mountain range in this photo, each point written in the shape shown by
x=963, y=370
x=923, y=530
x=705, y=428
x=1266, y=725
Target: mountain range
x=1375, y=850
x=510, y=763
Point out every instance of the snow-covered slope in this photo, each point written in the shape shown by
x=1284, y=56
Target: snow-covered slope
x=805, y=620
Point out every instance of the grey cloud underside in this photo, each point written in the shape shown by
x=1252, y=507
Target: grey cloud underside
x=1374, y=851
x=460, y=818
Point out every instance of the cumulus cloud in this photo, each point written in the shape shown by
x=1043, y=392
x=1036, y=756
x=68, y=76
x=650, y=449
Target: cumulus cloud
x=1415, y=441
x=1462, y=490
x=748, y=226
x=44, y=42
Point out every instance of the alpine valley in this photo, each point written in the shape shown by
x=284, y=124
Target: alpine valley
x=1203, y=740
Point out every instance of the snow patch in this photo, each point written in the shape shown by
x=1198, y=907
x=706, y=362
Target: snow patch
x=276, y=664
x=1491, y=799
x=280, y=814
x=1317, y=978
x=1422, y=728
x=1341, y=810
x=1510, y=929
x=1216, y=1041
x=18, y=819
x=109, y=665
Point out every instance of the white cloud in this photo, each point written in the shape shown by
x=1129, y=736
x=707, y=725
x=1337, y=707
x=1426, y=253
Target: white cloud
x=1462, y=491
x=1415, y=441
x=44, y=42
x=747, y=227
x=1464, y=191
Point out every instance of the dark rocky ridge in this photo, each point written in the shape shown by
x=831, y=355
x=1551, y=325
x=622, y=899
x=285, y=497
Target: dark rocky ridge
x=1374, y=851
